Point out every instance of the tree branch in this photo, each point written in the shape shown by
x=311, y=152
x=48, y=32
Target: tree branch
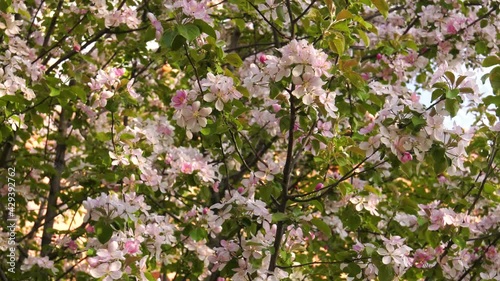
x=287, y=170
x=52, y=23
x=55, y=184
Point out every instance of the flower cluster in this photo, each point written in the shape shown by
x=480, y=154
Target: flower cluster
x=41, y=262
x=125, y=15
x=147, y=233
x=186, y=160
x=189, y=113
x=306, y=65
x=221, y=89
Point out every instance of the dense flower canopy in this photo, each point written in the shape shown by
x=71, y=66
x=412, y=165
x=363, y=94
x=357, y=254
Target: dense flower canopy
x=249, y=140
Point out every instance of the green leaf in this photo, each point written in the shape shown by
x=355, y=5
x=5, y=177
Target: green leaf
x=168, y=38
x=385, y=273
x=492, y=100
x=53, y=91
x=450, y=76
x=198, y=234
x=279, y=217
x=440, y=161
x=466, y=90
x=382, y=7
x=451, y=94
x=197, y=55
x=330, y=6
x=344, y=14
x=188, y=31
x=103, y=136
x=284, y=123
x=363, y=37
x=417, y=120
x=206, y=131
x=495, y=79
x=353, y=269
x=437, y=94
x=481, y=47
x=319, y=206
x=491, y=61
x=80, y=93
x=339, y=45
x=342, y=26
x=322, y=226
x=460, y=79
x=205, y=28
x=149, y=276
x=127, y=136
x=91, y=252
x=489, y=188
x=5, y=5
x=179, y=41
x=421, y=78
x=234, y=59
x=345, y=188
x=13, y=98
x=352, y=220
x=280, y=12
x=452, y=106
x=103, y=231
x=440, y=85
x=457, y=239
x=357, y=81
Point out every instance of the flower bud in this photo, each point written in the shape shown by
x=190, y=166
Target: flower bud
x=262, y=58
x=405, y=157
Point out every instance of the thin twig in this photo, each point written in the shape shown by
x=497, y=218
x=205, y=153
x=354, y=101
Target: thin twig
x=304, y=12
x=326, y=189
x=194, y=67
x=267, y=21
x=320, y=262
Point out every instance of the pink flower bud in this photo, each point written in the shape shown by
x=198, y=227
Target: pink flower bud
x=132, y=246
x=190, y=213
x=215, y=186
x=76, y=47
x=262, y=58
x=358, y=247
x=319, y=186
x=491, y=253
x=205, y=211
x=439, y=250
x=379, y=56
x=415, y=98
x=241, y=189
x=405, y=157
x=276, y=107
x=441, y=179
x=119, y=71
x=72, y=245
x=89, y=228
x=179, y=100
